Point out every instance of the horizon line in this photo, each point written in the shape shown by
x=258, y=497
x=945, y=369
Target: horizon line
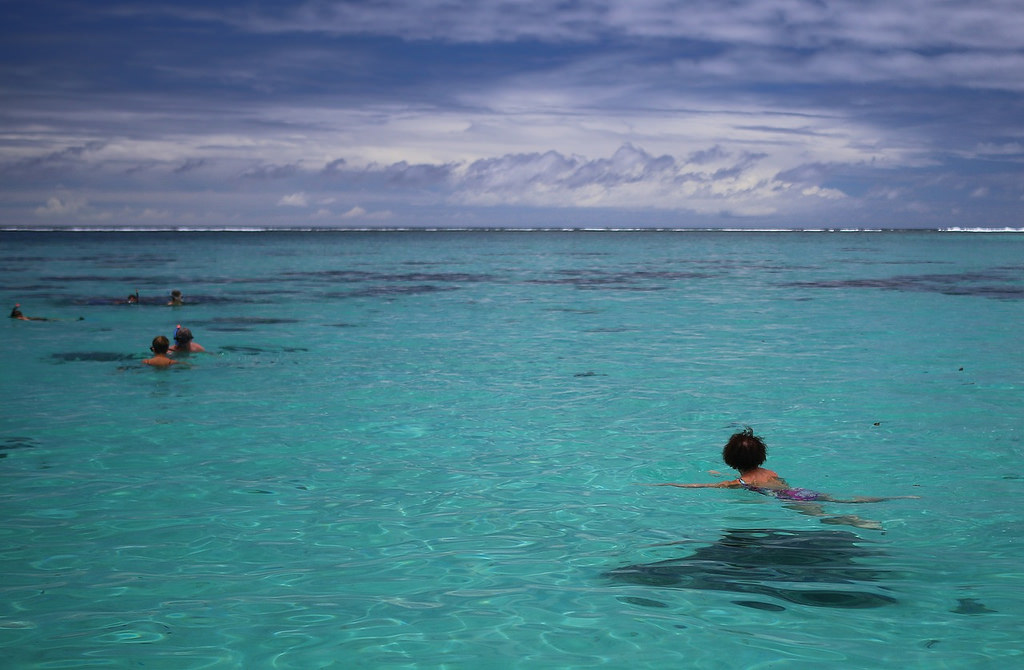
x=473, y=229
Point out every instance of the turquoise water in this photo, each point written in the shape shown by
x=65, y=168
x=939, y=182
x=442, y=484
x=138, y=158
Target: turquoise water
x=421, y=450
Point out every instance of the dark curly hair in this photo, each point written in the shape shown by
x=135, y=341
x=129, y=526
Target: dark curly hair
x=744, y=451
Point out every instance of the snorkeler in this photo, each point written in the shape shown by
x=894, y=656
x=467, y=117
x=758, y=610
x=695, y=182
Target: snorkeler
x=160, y=358
x=176, y=299
x=183, y=342
x=16, y=314
x=132, y=299
x=745, y=452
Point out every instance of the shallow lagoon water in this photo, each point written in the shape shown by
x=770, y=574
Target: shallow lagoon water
x=422, y=449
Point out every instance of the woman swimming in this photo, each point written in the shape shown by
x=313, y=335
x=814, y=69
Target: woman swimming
x=746, y=452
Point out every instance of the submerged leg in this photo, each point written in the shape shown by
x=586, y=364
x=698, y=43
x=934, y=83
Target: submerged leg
x=866, y=499
x=811, y=509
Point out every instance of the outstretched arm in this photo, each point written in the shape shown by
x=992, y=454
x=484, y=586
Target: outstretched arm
x=731, y=484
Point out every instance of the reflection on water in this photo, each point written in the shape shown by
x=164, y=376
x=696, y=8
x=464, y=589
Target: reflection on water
x=817, y=568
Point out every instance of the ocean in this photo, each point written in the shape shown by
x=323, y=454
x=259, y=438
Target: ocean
x=428, y=449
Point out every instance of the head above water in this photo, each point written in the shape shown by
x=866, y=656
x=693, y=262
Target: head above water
x=160, y=345
x=745, y=451
x=182, y=335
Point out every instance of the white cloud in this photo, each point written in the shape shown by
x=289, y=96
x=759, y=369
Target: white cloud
x=62, y=205
x=357, y=213
x=631, y=178
x=1006, y=149
x=294, y=200
x=354, y=213
x=827, y=193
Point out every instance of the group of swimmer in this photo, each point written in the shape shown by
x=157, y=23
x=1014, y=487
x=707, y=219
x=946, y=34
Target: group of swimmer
x=177, y=299
x=746, y=453
x=161, y=347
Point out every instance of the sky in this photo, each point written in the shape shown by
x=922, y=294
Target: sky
x=510, y=113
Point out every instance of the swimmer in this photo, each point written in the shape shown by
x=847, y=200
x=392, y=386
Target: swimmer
x=183, y=343
x=160, y=358
x=132, y=299
x=176, y=299
x=745, y=452
x=16, y=314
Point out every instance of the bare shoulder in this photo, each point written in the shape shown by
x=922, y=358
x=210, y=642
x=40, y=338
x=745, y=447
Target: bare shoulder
x=762, y=477
x=160, y=362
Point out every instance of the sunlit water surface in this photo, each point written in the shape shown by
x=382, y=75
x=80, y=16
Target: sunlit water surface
x=416, y=450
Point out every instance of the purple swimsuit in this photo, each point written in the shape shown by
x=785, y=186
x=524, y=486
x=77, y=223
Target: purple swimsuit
x=799, y=495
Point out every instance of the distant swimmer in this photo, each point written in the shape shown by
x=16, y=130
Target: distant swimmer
x=16, y=314
x=183, y=342
x=132, y=299
x=160, y=358
x=745, y=452
x=176, y=299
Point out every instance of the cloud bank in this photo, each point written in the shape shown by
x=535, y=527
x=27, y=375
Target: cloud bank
x=659, y=112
